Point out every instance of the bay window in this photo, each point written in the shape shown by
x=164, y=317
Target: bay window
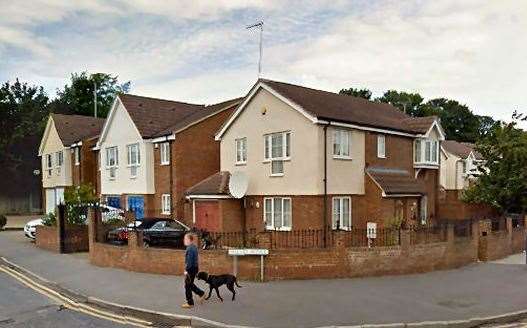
x=341, y=143
x=277, y=213
x=134, y=159
x=341, y=213
x=426, y=151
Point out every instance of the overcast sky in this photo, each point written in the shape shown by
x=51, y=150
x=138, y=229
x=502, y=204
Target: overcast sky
x=474, y=51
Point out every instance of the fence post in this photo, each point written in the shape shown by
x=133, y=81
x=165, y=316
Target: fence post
x=404, y=239
x=93, y=226
x=450, y=233
x=61, y=226
x=475, y=232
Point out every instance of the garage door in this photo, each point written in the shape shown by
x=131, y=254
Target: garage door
x=207, y=215
x=50, y=201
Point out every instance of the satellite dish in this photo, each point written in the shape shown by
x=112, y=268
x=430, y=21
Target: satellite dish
x=238, y=184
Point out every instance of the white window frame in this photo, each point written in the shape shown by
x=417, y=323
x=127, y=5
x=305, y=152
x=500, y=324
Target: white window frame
x=286, y=146
x=381, y=146
x=49, y=165
x=423, y=206
x=241, y=151
x=338, y=147
x=164, y=153
x=133, y=162
x=165, y=204
x=77, y=155
x=59, y=159
x=426, y=151
x=272, y=201
x=341, y=200
x=112, y=168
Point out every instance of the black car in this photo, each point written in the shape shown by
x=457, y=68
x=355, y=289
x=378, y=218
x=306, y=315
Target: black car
x=166, y=232
x=120, y=235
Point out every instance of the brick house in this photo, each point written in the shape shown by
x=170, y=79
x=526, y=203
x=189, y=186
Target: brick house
x=459, y=161
x=153, y=149
x=67, y=159
x=314, y=158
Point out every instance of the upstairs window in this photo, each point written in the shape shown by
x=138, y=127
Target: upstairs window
x=164, y=150
x=49, y=164
x=381, y=146
x=59, y=158
x=77, y=155
x=277, y=149
x=341, y=143
x=426, y=151
x=112, y=161
x=134, y=159
x=241, y=151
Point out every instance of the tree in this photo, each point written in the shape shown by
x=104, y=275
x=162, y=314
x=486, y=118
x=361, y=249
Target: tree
x=77, y=98
x=486, y=125
x=23, y=109
x=77, y=200
x=361, y=93
x=502, y=178
x=409, y=103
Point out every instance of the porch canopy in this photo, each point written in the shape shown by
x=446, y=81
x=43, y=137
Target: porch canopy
x=396, y=182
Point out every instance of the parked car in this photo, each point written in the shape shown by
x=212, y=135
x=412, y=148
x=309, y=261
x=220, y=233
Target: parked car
x=30, y=229
x=165, y=233
x=120, y=235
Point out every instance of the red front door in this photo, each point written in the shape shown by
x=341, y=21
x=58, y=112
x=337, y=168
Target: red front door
x=207, y=214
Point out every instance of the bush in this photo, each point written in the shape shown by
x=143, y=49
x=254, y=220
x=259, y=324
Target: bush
x=3, y=221
x=49, y=220
x=77, y=200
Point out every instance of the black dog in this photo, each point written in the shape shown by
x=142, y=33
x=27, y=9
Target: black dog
x=216, y=281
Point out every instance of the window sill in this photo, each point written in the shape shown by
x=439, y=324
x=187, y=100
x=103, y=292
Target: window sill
x=344, y=158
x=164, y=164
x=342, y=229
x=277, y=175
x=240, y=163
x=383, y=157
x=285, y=159
x=281, y=229
x=165, y=213
x=77, y=164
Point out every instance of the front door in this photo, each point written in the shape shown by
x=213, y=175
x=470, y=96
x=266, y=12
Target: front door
x=207, y=215
x=136, y=204
x=113, y=201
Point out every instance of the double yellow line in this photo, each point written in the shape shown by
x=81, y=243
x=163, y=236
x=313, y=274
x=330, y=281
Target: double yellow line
x=72, y=304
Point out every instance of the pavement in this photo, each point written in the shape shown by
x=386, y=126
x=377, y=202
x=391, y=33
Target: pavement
x=21, y=307
x=478, y=290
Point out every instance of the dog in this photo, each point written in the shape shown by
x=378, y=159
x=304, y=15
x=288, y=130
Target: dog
x=215, y=282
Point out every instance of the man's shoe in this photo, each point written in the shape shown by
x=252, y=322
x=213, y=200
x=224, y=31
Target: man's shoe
x=187, y=306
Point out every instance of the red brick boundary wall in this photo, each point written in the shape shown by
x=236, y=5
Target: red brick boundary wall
x=334, y=262
x=498, y=244
x=76, y=238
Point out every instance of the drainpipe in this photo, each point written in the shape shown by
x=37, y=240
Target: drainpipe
x=171, y=169
x=325, y=182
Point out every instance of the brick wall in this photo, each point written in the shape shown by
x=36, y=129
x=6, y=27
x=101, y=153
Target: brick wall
x=87, y=171
x=195, y=156
x=451, y=207
x=399, y=152
x=76, y=239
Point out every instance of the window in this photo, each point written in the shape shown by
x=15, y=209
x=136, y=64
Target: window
x=134, y=159
x=277, y=146
x=277, y=168
x=112, y=161
x=77, y=155
x=165, y=153
x=241, y=151
x=342, y=213
x=49, y=164
x=277, y=213
x=59, y=158
x=464, y=167
x=426, y=151
x=381, y=146
x=341, y=144
x=423, y=210
x=165, y=204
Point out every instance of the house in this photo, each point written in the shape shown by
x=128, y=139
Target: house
x=151, y=150
x=459, y=169
x=62, y=154
x=314, y=158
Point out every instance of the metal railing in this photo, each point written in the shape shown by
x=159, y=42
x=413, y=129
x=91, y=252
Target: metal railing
x=428, y=234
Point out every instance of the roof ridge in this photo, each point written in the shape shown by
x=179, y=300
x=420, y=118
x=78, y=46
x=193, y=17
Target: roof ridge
x=161, y=99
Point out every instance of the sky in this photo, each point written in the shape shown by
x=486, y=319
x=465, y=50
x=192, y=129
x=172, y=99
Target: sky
x=474, y=51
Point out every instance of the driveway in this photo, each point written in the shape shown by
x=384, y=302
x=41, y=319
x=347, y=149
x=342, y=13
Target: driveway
x=482, y=289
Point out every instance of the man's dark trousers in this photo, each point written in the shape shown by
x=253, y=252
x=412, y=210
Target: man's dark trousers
x=191, y=287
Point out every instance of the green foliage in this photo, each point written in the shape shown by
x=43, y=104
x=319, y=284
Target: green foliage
x=409, y=103
x=361, y=93
x=23, y=112
x=49, y=220
x=3, y=221
x=502, y=178
x=78, y=199
x=78, y=96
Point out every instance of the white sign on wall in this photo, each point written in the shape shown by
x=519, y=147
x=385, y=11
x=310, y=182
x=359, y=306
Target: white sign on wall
x=371, y=230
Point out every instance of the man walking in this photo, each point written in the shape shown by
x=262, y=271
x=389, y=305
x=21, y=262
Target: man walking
x=191, y=270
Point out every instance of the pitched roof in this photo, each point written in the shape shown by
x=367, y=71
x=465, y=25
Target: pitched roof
x=420, y=124
x=216, y=184
x=151, y=115
x=460, y=149
x=199, y=115
x=395, y=182
x=74, y=128
x=343, y=108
